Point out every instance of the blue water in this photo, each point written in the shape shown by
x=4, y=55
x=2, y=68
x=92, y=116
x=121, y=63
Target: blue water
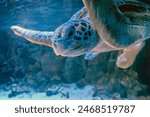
x=37, y=14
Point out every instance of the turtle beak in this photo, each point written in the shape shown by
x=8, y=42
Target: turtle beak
x=60, y=46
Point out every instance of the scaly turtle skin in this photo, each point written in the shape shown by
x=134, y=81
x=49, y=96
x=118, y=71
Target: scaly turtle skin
x=77, y=37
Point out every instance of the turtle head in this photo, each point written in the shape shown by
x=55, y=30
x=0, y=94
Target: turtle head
x=73, y=38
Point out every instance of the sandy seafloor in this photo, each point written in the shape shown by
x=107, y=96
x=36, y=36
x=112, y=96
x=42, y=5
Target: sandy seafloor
x=67, y=92
x=70, y=92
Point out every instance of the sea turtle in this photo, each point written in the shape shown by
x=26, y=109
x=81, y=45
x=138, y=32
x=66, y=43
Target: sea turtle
x=78, y=36
x=121, y=24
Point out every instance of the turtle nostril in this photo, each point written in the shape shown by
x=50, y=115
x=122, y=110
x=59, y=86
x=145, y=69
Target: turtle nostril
x=54, y=43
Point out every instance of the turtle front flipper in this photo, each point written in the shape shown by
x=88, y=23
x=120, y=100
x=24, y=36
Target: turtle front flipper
x=37, y=37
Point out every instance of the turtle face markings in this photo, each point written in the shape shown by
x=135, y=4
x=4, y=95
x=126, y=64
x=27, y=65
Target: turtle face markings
x=84, y=31
x=73, y=38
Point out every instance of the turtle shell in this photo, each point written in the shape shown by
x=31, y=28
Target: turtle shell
x=123, y=25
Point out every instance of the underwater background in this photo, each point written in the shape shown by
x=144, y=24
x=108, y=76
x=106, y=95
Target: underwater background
x=30, y=71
